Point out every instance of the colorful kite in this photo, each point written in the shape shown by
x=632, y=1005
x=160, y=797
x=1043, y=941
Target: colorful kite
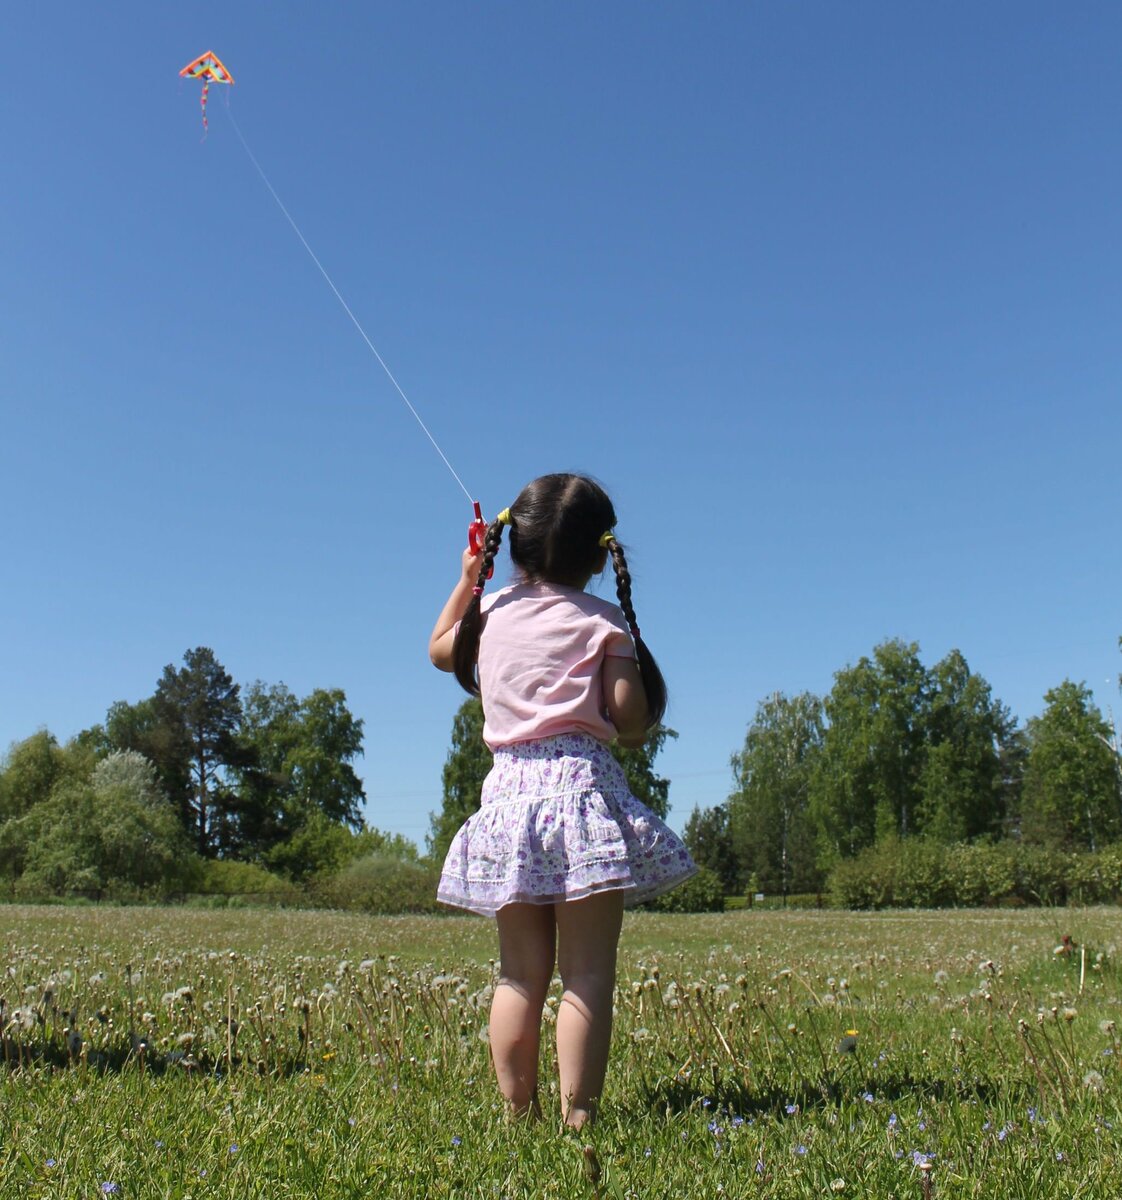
x=209, y=68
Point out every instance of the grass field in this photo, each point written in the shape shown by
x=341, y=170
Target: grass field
x=254, y=1053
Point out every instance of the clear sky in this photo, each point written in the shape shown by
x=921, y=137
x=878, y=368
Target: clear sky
x=826, y=294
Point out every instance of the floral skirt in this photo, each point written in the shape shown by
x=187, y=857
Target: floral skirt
x=557, y=822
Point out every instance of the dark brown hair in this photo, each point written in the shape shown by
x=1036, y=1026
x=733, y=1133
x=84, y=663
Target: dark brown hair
x=555, y=529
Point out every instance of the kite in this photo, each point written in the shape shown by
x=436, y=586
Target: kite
x=210, y=69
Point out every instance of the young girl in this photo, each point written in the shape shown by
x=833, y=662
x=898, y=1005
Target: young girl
x=559, y=845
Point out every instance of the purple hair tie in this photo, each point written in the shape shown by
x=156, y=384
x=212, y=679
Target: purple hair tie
x=635, y=632
x=477, y=591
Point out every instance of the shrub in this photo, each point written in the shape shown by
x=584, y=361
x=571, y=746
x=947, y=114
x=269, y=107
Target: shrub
x=702, y=893
x=226, y=878
x=980, y=873
x=378, y=883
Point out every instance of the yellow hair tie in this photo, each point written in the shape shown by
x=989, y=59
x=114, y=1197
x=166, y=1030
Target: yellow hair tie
x=504, y=517
x=605, y=538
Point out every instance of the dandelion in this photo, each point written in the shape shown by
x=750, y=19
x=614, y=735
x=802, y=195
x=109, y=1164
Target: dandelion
x=1093, y=1081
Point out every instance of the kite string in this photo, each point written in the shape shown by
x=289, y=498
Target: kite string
x=346, y=306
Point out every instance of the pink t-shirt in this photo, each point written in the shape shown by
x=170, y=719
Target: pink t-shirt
x=541, y=656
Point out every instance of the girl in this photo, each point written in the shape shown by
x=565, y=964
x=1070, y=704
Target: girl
x=559, y=845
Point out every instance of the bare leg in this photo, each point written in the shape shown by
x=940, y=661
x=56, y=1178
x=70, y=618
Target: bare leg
x=526, y=952
x=587, y=937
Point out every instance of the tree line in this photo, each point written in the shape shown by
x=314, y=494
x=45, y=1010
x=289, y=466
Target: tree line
x=204, y=786
x=900, y=753
x=175, y=788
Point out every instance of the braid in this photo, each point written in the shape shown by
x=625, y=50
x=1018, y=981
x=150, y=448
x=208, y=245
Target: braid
x=653, y=683
x=465, y=649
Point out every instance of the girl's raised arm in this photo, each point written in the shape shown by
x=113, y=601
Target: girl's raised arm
x=443, y=633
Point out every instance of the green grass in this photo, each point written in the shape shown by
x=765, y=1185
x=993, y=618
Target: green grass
x=358, y=1067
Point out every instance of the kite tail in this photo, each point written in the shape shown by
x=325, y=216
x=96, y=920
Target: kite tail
x=202, y=101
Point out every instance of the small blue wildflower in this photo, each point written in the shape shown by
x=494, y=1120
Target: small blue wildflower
x=234, y=1148
x=987, y=1126
x=800, y=1149
x=893, y=1120
x=647, y=1152
x=109, y=1188
x=737, y=1122
x=923, y=1125
x=457, y=1140
x=792, y=1109
x=50, y=1162
x=868, y=1097
x=1002, y=1134
x=706, y=1102
x=1059, y=1156
x=351, y=1122
x=759, y=1166
x=1031, y=1114
x=159, y=1144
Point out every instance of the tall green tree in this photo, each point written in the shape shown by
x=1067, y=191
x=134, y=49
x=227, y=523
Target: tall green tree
x=772, y=831
x=462, y=778
x=1071, y=797
x=708, y=837
x=299, y=755
x=197, y=707
x=969, y=736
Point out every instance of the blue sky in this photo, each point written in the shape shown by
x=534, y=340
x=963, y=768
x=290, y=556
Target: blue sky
x=827, y=296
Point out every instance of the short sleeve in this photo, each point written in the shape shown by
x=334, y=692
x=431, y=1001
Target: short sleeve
x=618, y=643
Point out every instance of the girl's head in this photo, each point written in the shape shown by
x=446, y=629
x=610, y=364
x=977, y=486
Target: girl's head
x=560, y=532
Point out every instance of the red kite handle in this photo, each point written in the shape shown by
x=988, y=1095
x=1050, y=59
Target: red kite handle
x=477, y=532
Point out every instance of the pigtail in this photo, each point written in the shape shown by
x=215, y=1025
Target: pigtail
x=465, y=648
x=653, y=683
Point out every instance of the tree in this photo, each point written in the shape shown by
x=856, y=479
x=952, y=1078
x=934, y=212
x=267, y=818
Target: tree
x=773, y=836
x=93, y=837
x=708, y=837
x=638, y=765
x=298, y=764
x=465, y=769
x=962, y=784
x=198, y=711
x=30, y=770
x=1071, y=796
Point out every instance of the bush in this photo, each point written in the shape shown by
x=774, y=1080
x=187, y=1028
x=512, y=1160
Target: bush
x=702, y=893
x=980, y=873
x=379, y=883
x=225, y=878
x=918, y=873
